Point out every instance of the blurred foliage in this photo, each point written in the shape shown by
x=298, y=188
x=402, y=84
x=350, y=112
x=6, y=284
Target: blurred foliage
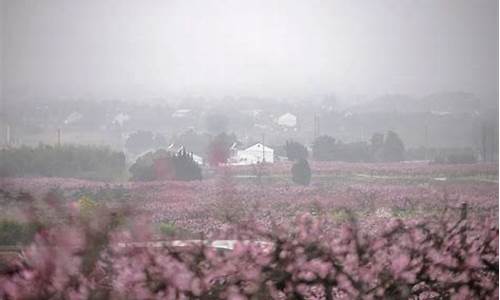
x=105, y=193
x=167, y=228
x=87, y=206
x=219, y=149
x=16, y=233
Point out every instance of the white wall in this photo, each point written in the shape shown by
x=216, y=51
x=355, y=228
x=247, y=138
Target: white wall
x=253, y=156
x=268, y=155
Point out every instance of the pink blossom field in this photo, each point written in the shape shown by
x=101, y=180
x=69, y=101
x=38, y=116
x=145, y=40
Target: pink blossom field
x=339, y=238
x=208, y=205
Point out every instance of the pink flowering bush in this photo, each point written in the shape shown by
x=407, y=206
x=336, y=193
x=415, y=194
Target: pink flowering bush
x=96, y=257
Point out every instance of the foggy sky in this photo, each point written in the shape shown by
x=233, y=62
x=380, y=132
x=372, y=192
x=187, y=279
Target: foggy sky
x=151, y=48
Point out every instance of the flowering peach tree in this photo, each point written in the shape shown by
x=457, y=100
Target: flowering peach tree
x=98, y=258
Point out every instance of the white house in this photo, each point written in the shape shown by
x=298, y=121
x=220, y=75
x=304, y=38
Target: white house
x=287, y=120
x=198, y=159
x=255, y=154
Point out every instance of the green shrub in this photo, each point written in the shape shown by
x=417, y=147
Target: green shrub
x=16, y=233
x=301, y=172
x=102, y=194
x=167, y=229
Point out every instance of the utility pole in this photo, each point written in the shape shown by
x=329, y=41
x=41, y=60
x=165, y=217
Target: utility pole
x=484, y=139
x=426, y=141
x=7, y=137
x=316, y=126
x=58, y=137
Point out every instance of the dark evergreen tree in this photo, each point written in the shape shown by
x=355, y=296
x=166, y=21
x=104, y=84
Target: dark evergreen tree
x=394, y=148
x=301, y=172
x=185, y=167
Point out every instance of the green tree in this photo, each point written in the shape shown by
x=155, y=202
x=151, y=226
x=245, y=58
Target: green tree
x=394, y=148
x=301, y=172
x=142, y=169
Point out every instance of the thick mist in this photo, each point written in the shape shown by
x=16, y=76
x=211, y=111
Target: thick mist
x=258, y=149
x=140, y=49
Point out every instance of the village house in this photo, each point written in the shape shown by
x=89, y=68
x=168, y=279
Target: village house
x=287, y=120
x=255, y=154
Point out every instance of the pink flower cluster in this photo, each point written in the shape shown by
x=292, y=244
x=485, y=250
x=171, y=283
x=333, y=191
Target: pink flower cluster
x=449, y=258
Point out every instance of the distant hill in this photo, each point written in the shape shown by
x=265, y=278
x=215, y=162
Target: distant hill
x=387, y=103
x=453, y=102
x=439, y=103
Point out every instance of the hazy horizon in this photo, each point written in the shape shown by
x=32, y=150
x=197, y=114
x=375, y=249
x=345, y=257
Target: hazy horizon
x=285, y=49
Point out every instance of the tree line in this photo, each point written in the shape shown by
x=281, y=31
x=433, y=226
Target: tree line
x=382, y=148
x=101, y=163
x=77, y=161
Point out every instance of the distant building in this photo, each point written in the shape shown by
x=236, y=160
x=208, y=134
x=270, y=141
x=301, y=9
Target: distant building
x=181, y=113
x=440, y=113
x=287, y=120
x=348, y=114
x=255, y=154
x=73, y=117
